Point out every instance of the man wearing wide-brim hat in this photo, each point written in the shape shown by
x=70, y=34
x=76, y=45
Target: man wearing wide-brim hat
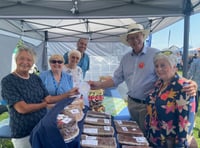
x=137, y=70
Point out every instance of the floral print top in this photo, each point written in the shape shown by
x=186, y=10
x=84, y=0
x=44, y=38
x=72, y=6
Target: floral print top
x=77, y=75
x=170, y=114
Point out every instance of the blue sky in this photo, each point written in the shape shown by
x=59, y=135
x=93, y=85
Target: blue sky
x=160, y=39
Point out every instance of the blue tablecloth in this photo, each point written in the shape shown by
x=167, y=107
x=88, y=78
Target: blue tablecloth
x=112, y=92
x=47, y=135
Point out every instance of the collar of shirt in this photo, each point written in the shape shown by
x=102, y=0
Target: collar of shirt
x=144, y=50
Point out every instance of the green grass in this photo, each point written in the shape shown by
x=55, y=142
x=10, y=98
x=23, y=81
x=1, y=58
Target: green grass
x=197, y=127
x=3, y=116
x=5, y=143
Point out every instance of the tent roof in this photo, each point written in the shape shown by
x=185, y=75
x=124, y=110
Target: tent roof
x=100, y=20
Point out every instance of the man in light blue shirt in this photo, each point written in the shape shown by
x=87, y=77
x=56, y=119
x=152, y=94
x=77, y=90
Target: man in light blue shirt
x=84, y=62
x=137, y=70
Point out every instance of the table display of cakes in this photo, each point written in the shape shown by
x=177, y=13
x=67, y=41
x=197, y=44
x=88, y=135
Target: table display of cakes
x=129, y=133
x=98, y=131
x=99, y=128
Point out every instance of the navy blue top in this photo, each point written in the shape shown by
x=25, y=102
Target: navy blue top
x=32, y=90
x=84, y=62
x=170, y=114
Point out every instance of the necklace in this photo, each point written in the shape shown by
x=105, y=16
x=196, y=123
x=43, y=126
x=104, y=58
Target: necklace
x=23, y=77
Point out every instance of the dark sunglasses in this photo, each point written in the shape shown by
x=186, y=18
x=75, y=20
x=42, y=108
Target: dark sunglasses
x=55, y=61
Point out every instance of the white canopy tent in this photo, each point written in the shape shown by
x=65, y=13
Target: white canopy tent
x=57, y=24
x=100, y=20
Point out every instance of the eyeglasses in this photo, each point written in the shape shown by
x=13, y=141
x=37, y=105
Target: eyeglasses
x=55, y=61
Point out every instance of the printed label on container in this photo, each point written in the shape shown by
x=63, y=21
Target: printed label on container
x=119, y=122
x=106, y=121
x=91, y=119
x=90, y=137
x=90, y=142
x=140, y=139
x=66, y=120
x=107, y=128
x=124, y=129
x=90, y=130
x=74, y=111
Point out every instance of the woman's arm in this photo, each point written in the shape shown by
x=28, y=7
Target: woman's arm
x=186, y=113
x=54, y=99
x=24, y=108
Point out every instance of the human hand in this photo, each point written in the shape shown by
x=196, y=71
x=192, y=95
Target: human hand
x=72, y=92
x=191, y=88
x=48, y=99
x=94, y=84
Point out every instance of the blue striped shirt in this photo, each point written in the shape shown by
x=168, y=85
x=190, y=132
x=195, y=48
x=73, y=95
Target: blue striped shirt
x=137, y=70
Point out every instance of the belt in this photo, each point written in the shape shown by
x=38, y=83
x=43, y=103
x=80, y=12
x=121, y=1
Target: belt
x=138, y=100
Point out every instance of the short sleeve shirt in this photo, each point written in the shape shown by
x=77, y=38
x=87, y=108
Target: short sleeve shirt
x=32, y=90
x=56, y=88
x=137, y=70
x=84, y=62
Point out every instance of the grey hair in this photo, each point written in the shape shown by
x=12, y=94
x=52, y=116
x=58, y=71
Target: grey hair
x=27, y=49
x=56, y=56
x=171, y=58
x=76, y=52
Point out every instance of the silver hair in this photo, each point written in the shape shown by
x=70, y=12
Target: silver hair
x=27, y=49
x=167, y=55
x=74, y=51
x=56, y=56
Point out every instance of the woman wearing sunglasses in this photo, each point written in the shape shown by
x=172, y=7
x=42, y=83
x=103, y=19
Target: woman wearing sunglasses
x=72, y=67
x=170, y=112
x=56, y=80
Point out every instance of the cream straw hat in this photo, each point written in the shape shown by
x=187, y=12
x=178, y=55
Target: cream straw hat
x=134, y=28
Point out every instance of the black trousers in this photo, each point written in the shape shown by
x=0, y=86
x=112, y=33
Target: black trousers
x=197, y=100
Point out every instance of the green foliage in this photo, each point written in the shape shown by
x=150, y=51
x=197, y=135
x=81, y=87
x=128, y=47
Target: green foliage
x=4, y=116
x=20, y=44
x=197, y=127
x=6, y=143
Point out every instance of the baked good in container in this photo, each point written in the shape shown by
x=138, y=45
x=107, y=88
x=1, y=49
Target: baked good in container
x=96, y=114
x=125, y=123
x=98, y=130
x=129, y=130
x=132, y=140
x=97, y=121
x=75, y=111
x=98, y=142
x=67, y=126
